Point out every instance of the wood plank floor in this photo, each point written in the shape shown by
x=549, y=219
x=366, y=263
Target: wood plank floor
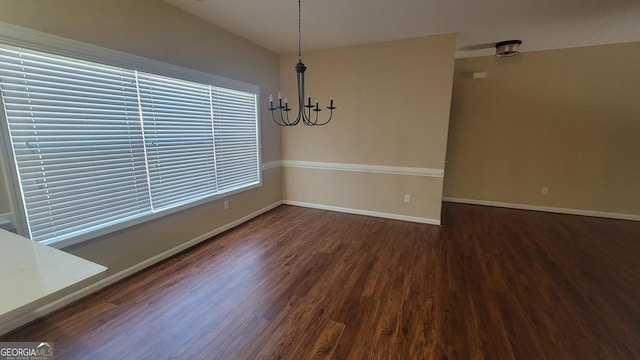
x=299, y=283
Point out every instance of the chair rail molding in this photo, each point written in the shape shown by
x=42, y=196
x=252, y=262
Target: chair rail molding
x=376, y=169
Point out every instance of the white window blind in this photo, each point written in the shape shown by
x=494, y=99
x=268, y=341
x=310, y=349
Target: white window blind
x=96, y=146
x=179, y=139
x=234, y=115
x=76, y=137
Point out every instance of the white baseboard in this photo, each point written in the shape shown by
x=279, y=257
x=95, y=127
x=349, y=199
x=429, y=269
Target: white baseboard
x=545, y=209
x=364, y=212
x=59, y=303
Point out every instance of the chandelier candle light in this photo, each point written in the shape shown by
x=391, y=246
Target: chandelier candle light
x=280, y=111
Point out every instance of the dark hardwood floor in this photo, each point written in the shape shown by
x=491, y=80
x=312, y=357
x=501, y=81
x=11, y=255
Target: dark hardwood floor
x=299, y=283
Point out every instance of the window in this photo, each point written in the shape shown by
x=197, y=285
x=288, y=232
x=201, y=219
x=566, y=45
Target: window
x=96, y=147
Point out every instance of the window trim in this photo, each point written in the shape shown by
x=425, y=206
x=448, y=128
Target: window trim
x=39, y=41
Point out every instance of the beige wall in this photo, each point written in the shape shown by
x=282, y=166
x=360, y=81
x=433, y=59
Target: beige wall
x=393, y=102
x=154, y=29
x=564, y=119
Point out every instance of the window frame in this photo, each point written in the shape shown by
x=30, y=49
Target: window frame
x=55, y=45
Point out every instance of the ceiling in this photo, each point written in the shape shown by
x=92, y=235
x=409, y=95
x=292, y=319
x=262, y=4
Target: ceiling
x=540, y=24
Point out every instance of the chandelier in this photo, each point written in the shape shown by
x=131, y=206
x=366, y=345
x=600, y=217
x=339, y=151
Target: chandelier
x=280, y=111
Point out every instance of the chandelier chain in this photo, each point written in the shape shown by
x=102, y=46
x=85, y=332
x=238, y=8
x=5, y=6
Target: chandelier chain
x=299, y=33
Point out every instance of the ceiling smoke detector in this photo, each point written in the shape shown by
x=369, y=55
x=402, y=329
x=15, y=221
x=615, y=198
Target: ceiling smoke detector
x=508, y=48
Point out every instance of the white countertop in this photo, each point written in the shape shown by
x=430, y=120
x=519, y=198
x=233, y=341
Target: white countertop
x=32, y=275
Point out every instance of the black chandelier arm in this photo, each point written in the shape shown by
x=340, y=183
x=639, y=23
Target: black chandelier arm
x=304, y=113
x=315, y=122
x=307, y=120
x=282, y=116
x=283, y=120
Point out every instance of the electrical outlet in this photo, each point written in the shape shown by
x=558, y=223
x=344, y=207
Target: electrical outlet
x=407, y=198
x=226, y=204
x=544, y=190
